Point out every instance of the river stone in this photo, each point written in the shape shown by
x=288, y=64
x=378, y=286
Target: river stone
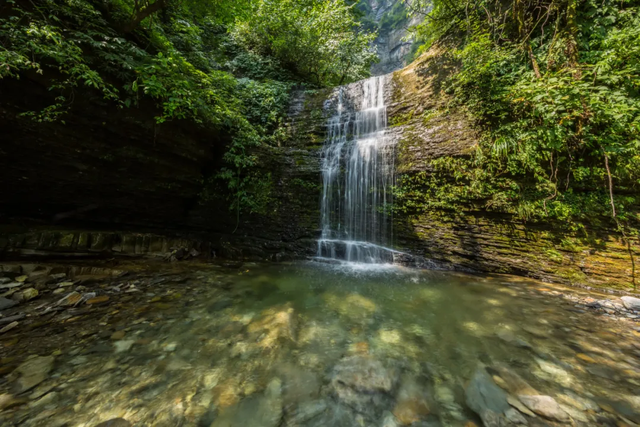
x=575, y=414
x=71, y=299
x=628, y=409
x=631, y=303
x=482, y=394
x=411, y=402
x=513, y=383
x=115, y=422
x=261, y=411
x=515, y=417
x=27, y=294
x=33, y=372
x=388, y=420
x=6, y=303
x=510, y=338
x=306, y=411
x=513, y=401
x=363, y=383
x=578, y=402
x=545, y=406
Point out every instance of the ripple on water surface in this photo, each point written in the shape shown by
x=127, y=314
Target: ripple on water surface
x=315, y=344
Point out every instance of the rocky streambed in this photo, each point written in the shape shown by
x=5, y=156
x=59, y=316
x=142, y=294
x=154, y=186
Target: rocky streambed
x=193, y=344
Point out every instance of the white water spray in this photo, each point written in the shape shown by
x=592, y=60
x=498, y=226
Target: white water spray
x=358, y=176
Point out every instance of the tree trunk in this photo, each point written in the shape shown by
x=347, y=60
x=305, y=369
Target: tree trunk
x=142, y=13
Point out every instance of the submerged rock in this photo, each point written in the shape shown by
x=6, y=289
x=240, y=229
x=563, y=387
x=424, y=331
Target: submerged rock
x=545, y=406
x=33, y=372
x=275, y=324
x=483, y=394
x=411, y=402
x=261, y=411
x=306, y=411
x=512, y=382
x=363, y=383
x=486, y=399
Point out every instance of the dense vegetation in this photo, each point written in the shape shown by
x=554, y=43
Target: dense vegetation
x=555, y=87
x=224, y=64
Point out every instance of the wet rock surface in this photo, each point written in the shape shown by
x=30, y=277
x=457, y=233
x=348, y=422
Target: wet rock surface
x=308, y=345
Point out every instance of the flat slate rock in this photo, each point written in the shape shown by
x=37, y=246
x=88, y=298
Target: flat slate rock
x=6, y=303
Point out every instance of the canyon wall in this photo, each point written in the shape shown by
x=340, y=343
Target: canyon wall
x=112, y=182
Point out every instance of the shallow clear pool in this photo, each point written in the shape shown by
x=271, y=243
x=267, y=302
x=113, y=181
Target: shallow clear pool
x=313, y=344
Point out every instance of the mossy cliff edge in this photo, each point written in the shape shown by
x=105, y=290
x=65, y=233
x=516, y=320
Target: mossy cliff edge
x=435, y=136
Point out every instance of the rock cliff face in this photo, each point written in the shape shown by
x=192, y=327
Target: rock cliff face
x=479, y=240
x=473, y=240
x=109, y=181
x=393, y=47
x=115, y=172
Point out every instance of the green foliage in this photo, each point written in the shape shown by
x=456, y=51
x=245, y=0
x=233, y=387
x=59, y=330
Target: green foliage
x=197, y=60
x=318, y=40
x=555, y=86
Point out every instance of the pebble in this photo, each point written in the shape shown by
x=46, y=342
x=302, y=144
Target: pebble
x=98, y=300
x=33, y=372
x=123, y=345
x=71, y=299
x=29, y=294
x=118, y=335
x=9, y=327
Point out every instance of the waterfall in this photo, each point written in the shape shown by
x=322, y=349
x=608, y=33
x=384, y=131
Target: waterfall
x=358, y=176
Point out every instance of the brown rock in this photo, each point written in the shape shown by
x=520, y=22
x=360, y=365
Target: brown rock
x=98, y=300
x=585, y=358
x=118, y=335
x=8, y=401
x=9, y=327
x=411, y=404
x=33, y=372
x=513, y=382
x=72, y=299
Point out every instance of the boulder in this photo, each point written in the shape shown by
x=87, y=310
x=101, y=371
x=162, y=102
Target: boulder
x=631, y=303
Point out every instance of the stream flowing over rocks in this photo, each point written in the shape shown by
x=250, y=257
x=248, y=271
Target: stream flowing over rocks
x=309, y=344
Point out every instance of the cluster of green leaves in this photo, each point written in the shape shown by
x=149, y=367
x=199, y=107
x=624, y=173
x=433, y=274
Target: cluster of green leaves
x=318, y=40
x=555, y=87
x=202, y=61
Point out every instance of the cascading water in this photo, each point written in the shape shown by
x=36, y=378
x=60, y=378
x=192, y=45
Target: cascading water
x=358, y=175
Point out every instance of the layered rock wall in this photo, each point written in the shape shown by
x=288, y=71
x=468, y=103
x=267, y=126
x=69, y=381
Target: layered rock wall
x=117, y=172
x=427, y=128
